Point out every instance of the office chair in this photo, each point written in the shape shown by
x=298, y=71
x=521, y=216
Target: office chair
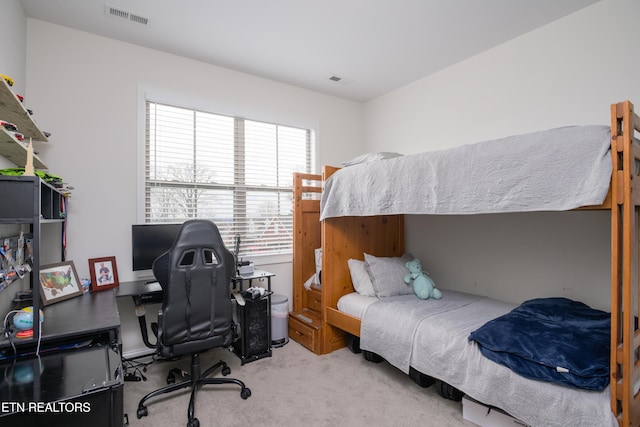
x=197, y=311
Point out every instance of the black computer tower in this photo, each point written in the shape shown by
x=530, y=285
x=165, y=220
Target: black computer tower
x=255, y=324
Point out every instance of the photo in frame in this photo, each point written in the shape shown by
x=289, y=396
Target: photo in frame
x=59, y=282
x=104, y=273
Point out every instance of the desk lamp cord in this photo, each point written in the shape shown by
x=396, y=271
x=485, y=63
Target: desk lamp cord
x=7, y=333
x=7, y=330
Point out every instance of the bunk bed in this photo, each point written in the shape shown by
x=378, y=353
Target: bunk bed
x=349, y=235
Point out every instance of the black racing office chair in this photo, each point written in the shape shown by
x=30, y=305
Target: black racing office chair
x=197, y=311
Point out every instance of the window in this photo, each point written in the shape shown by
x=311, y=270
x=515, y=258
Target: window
x=231, y=170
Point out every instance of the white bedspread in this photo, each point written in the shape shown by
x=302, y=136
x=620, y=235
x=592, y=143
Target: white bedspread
x=388, y=326
x=553, y=170
x=435, y=341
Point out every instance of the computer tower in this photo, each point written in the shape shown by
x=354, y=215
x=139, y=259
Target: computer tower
x=255, y=330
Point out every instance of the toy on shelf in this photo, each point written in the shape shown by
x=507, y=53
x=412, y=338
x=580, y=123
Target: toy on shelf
x=7, y=79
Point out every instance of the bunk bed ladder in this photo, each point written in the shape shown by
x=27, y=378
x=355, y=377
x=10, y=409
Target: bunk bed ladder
x=625, y=336
x=305, y=321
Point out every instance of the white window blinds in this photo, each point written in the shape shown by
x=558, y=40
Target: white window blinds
x=233, y=171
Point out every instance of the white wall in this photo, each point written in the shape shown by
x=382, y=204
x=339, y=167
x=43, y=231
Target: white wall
x=86, y=89
x=13, y=28
x=565, y=73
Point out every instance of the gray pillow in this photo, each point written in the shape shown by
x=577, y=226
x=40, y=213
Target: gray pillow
x=360, y=278
x=370, y=157
x=387, y=274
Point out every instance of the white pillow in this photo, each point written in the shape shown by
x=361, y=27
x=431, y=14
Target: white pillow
x=369, y=157
x=387, y=274
x=360, y=278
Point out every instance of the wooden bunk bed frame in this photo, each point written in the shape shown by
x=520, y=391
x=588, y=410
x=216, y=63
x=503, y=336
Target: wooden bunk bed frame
x=343, y=238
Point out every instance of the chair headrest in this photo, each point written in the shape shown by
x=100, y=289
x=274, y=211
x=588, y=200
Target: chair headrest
x=198, y=233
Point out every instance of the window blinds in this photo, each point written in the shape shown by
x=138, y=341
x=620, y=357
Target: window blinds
x=231, y=170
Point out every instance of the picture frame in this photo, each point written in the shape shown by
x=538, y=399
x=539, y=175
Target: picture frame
x=59, y=282
x=104, y=273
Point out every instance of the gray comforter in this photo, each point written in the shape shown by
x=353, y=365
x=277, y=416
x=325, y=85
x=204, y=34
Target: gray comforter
x=553, y=170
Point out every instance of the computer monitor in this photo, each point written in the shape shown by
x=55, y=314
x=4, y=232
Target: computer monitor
x=149, y=241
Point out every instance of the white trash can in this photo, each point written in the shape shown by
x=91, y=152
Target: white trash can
x=279, y=320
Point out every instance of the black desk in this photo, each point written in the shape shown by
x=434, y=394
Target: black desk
x=79, y=319
x=142, y=292
x=258, y=275
x=77, y=379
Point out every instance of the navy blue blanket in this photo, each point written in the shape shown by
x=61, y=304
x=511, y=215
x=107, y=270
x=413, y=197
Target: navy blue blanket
x=551, y=339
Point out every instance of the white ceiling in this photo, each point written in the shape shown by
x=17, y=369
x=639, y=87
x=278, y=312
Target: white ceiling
x=376, y=46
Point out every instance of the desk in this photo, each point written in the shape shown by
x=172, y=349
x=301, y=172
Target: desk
x=254, y=317
x=258, y=275
x=86, y=317
x=78, y=369
x=142, y=292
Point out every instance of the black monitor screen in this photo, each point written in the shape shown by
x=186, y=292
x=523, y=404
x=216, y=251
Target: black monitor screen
x=149, y=241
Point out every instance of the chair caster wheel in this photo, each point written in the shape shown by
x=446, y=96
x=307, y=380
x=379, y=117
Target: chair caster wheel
x=226, y=371
x=193, y=423
x=171, y=377
x=245, y=393
x=142, y=412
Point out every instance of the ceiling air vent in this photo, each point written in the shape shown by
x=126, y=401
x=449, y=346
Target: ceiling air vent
x=339, y=79
x=117, y=12
x=139, y=19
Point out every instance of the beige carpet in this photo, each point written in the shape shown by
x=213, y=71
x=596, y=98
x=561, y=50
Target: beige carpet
x=297, y=388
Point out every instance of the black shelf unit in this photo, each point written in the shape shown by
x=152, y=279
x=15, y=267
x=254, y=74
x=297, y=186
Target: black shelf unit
x=30, y=201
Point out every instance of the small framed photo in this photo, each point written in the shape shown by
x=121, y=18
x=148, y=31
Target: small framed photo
x=59, y=282
x=104, y=273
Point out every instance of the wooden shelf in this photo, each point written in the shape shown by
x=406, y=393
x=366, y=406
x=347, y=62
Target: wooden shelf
x=16, y=151
x=12, y=110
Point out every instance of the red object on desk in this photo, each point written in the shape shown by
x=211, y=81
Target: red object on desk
x=27, y=333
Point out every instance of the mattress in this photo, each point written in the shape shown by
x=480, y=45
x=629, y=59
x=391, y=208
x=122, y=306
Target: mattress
x=355, y=304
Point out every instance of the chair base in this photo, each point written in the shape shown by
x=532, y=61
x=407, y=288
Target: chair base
x=193, y=380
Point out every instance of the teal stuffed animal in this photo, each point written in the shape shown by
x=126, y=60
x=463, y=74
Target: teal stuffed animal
x=423, y=286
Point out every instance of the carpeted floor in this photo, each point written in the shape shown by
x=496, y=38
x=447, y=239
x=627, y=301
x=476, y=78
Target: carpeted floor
x=295, y=387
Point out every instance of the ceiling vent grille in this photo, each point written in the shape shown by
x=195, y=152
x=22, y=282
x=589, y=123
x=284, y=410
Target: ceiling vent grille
x=339, y=79
x=117, y=12
x=139, y=19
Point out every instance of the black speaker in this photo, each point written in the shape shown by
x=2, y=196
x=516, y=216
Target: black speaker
x=255, y=339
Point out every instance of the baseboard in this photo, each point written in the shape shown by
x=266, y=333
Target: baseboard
x=138, y=352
